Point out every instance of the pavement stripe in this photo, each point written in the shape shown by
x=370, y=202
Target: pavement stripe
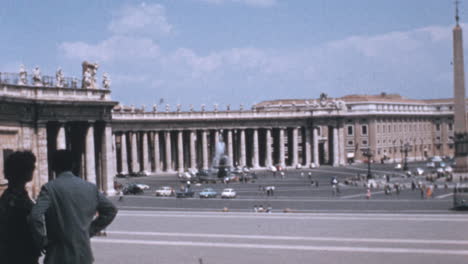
x=352, y=212
x=312, y=217
x=284, y=247
x=333, y=239
x=147, y=209
x=359, y=195
x=444, y=196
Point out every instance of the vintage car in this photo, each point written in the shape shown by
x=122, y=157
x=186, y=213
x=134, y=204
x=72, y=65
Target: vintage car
x=228, y=193
x=208, y=193
x=185, y=194
x=165, y=191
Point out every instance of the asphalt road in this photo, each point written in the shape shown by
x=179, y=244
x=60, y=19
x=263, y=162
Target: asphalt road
x=232, y=237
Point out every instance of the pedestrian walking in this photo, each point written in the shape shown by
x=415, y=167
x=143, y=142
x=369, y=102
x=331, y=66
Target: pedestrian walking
x=368, y=194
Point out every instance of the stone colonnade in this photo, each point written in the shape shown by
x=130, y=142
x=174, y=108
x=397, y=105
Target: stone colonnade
x=257, y=148
x=91, y=144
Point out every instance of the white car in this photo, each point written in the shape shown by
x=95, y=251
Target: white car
x=430, y=164
x=419, y=171
x=165, y=191
x=143, y=186
x=228, y=193
x=272, y=168
x=398, y=166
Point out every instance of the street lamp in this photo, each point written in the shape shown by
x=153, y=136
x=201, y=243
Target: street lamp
x=405, y=148
x=367, y=153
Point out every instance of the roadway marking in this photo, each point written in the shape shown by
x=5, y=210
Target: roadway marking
x=333, y=239
x=283, y=247
x=359, y=195
x=148, y=209
x=444, y=196
x=312, y=217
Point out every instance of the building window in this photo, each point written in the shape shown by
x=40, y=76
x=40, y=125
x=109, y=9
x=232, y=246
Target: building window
x=450, y=126
x=350, y=143
x=364, y=130
x=350, y=130
x=364, y=142
x=319, y=131
x=437, y=127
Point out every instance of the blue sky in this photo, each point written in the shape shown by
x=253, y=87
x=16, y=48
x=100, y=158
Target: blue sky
x=238, y=51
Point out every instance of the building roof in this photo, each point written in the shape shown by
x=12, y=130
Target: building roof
x=383, y=97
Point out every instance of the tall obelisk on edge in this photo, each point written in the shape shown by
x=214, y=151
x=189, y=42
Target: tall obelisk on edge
x=461, y=132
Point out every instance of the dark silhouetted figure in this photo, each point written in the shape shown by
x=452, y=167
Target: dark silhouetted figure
x=16, y=243
x=63, y=219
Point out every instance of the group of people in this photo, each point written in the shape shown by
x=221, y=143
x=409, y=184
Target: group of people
x=59, y=224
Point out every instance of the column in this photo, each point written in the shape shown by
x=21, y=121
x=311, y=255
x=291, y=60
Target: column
x=123, y=153
x=294, y=147
x=230, y=150
x=108, y=160
x=167, y=139
x=61, y=142
x=156, y=156
x=135, y=167
x=268, y=150
x=90, y=155
x=193, y=149
x=145, y=153
x=255, y=149
x=335, y=147
x=41, y=173
x=205, y=149
x=281, y=148
x=180, y=151
x=315, y=146
x=307, y=146
x=341, y=145
x=243, y=155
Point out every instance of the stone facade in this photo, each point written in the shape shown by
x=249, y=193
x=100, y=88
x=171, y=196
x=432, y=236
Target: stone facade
x=43, y=118
x=108, y=138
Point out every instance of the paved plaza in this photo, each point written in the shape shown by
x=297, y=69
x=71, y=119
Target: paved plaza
x=318, y=227
x=206, y=237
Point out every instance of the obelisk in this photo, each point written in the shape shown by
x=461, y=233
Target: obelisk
x=461, y=132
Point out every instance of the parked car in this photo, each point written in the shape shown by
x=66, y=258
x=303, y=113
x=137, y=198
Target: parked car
x=272, y=169
x=143, y=186
x=185, y=176
x=185, y=194
x=165, y=191
x=398, y=166
x=132, y=188
x=298, y=166
x=208, y=193
x=418, y=171
x=248, y=177
x=231, y=178
x=228, y=193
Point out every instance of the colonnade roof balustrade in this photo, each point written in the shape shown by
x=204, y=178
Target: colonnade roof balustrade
x=47, y=89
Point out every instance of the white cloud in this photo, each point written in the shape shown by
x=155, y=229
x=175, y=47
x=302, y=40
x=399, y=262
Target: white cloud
x=256, y=3
x=405, y=62
x=114, y=48
x=145, y=19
